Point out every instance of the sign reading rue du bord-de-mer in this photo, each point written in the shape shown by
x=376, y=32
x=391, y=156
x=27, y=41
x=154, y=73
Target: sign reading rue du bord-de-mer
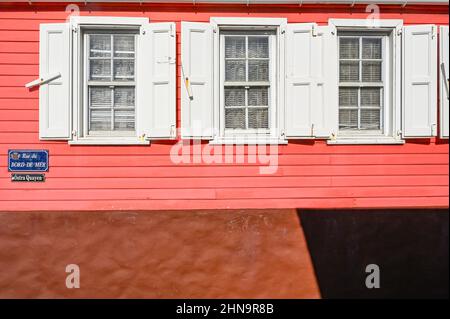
x=27, y=161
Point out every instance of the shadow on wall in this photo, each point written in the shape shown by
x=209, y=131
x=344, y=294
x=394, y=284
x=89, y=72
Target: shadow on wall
x=409, y=246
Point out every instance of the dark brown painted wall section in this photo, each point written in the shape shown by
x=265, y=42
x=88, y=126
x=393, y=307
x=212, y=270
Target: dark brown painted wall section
x=195, y=254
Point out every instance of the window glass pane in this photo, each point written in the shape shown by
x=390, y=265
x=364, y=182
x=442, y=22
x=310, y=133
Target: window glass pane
x=258, y=70
x=370, y=119
x=258, y=118
x=258, y=96
x=371, y=71
x=235, y=70
x=123, y=70
x=370, y=97
x=100, y=45
x=348, y=119
x=234, y=96
x=100, y=70
x=124, y=46
x=124, y=96
x=258, y=47
x=124, y=120
x=349, y=48
x=235, y=118
x=100, y=120
x=348, y=96
x=234, y=47
x=100, y=97
x=371, y=48
x=349, y=71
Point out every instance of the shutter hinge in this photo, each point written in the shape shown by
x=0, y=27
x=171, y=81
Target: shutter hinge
x=172, y=33
x=434, y=130
x=399, y=133
x=283, y=30
x=333, y=136
x=433, y=31
x=74, y=29
x=283, y=134
x=314, y=31
x=172, y=131
x=312, y=129
x=74, y=133
x=400, y=32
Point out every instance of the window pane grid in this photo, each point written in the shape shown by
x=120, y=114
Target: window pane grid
x=111, y=86
x=247, y=84
x=361, y=83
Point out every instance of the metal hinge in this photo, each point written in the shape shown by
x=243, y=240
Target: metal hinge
x=399, y=133
x=172, y=131
x=314, y=31
x=333, y=136
x=400, y=32
x=74, y=133
x=434, y=130
x=172, y=33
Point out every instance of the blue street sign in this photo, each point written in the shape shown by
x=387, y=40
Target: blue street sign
x=27, y=160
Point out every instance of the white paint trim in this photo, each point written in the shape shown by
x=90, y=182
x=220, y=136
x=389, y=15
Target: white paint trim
x=97, y=21
x=244, y=140
x=109, y=141
x=366, y=141
x=238, y=21
x=363, y=23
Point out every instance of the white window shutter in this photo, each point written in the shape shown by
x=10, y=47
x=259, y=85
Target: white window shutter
x=325, y=107
x=156, y=81
x=311, y=81
x=197, y=80
x=444, y=82
x=54, y=95
x=419, y=81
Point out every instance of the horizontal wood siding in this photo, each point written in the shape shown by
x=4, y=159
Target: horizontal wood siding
x=310, y=174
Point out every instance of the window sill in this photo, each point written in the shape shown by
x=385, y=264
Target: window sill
x=365, y=141
x=109, y=141
x=248, y=141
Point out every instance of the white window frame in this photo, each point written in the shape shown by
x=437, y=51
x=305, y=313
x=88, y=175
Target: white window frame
x=391, y=133
x=276, y=116
x=384, y=85
x=272, y=88
x=87, y=85
x=79, y=97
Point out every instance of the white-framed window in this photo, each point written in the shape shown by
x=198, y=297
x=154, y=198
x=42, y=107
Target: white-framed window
x=234, y=89
x=364, y=74
x=109, y=107
x=369, y=78
x=110, y=80
x=247, y=82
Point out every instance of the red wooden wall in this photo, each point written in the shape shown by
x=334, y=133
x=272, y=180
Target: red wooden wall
x=310, y=173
